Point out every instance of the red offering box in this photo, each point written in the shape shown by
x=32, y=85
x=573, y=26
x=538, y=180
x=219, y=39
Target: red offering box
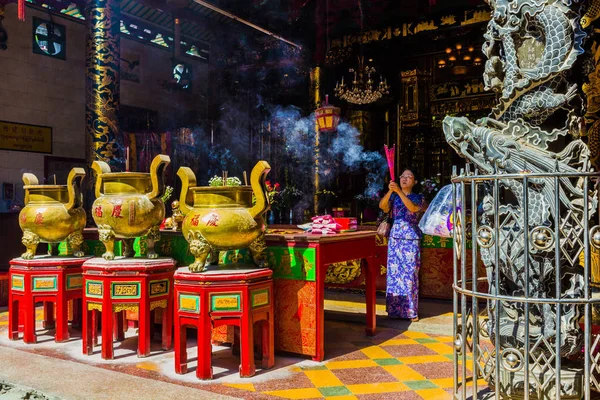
x=348, y=224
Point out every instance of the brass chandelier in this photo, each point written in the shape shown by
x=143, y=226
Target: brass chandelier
x=363, y=89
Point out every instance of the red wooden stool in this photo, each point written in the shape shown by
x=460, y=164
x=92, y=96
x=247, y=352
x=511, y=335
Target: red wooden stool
x=52, y=280
x=238, y=296
x=134, y=284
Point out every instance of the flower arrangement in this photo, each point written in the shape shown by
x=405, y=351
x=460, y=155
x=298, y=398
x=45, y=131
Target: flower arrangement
x=167, y=195
x=218, y=181
x=272, y=192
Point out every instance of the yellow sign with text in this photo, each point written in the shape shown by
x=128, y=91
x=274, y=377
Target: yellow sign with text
x=22, y=137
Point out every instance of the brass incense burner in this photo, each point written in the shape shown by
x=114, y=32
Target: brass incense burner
x=223, y=218
x=129, y=205
x=53, y=213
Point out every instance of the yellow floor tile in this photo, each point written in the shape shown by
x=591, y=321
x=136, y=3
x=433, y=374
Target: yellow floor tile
x=434, y=394
x=404, y=373
x=242, y=386
x=351, y=364
x=416, y=335
x=423, y=359
x=148, y=365
x=398, y=342
x=480, y=383
x=310, y=393
x=341, y=303
x=444, y=383
x=382, y=387
x=447, y=339
x=323, y=378
x=439, y=348
x=375, y=352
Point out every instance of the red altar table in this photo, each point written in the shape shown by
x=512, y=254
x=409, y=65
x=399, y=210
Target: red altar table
x=299, y=262
x=47, y=279
x=134, y=284
x=224, y=296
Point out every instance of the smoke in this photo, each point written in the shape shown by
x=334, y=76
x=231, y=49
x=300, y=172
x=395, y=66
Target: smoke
x=346, y=144
x=339, y=152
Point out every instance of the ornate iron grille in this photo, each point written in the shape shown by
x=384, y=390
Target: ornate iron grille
x=531, y=325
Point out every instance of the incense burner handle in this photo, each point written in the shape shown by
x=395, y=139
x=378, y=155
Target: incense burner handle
x=74, y=188
x=259, y=188
x=29, y=179
x=157, y=169
x=188, y=179
x=100, y=168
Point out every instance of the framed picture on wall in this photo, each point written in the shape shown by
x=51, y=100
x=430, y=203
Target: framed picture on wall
x=60, y=167
x=8, y=191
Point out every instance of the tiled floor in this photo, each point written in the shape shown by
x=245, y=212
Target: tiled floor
x=395, y=364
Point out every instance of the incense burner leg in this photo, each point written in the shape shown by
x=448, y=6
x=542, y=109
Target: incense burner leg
x=258, y=250
x=128, y=248
x=75, y=240
x=107, y=237
x=152, y=236
x=200, y=249
x=31, y=241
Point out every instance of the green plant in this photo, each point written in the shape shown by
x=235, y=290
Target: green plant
x=218, y=181
x=167, y=195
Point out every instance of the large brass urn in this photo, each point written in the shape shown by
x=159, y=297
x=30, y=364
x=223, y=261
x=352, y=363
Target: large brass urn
x=53, y=213
x=223, y=218
x=129, y=205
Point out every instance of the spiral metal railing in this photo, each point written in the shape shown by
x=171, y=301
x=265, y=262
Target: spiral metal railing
x=528, y=325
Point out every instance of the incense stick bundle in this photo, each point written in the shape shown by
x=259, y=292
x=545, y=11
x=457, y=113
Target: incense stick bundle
x=245, y=179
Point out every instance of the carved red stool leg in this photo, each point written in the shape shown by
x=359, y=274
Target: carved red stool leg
x=87, y=326
x=247, y=368
x=118, y=331
x=167, y=327
x=62, y=319
x=107, y=329
x=204, y=370
x=268, y=343
x=144, y=328
x=29, y=320
x=180, y=348
x=48, y=322
x=13, y=316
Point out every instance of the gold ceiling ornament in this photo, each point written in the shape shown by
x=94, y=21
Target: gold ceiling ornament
x=363, y=89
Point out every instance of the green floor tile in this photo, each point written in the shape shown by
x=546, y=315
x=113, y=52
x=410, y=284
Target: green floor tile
x=425, y=340
x=451, y=356
x=387, y=361
x=331, y=391
x=419, y=385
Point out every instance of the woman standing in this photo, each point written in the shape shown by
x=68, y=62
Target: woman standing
x=404, y=254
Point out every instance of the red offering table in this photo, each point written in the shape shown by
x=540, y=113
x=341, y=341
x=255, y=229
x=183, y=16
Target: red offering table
x=47, y=279
x=135, y=284
x=224, y=296
x=299, y=262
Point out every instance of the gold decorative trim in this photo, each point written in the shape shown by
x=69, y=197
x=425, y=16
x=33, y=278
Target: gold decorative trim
x=94, y=306
x=125, y=307
x=158, y=303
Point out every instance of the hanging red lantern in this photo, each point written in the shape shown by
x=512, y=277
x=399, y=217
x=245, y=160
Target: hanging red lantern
x=328, y=117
